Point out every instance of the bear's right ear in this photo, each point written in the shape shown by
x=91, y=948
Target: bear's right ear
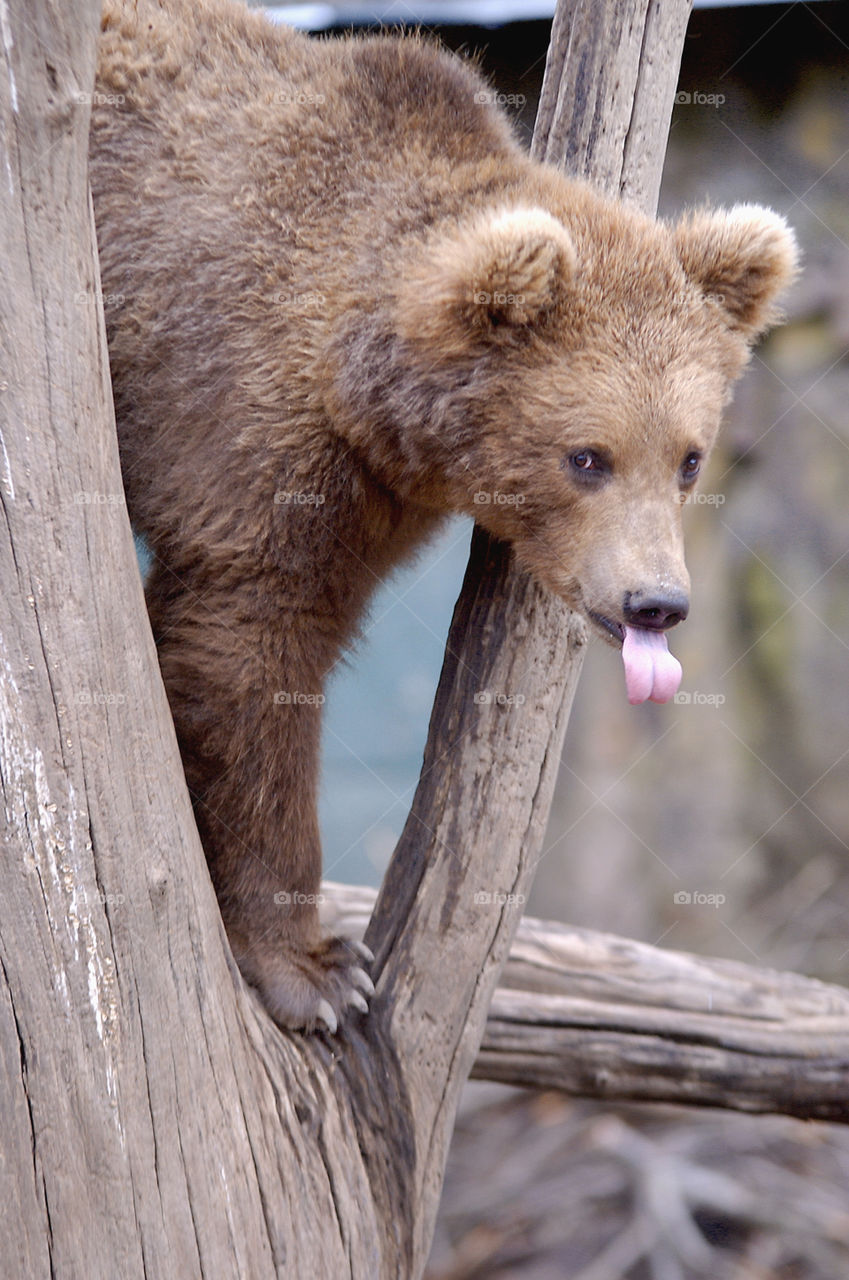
x=485, y=281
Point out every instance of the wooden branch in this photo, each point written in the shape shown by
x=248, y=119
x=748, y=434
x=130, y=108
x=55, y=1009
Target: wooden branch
x=439, y=949
x=609, y=123
x=598, y=1016
x=479, y=813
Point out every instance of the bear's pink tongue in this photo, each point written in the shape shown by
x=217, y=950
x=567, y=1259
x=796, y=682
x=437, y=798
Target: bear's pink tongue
x=650, y=669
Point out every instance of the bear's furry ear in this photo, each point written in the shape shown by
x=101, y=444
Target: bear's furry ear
x=742, y=259
x=501, y=272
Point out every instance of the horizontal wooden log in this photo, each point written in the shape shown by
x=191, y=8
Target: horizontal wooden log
x=598, y=1016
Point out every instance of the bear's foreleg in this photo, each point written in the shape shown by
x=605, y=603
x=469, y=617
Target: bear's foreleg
x=246, y=699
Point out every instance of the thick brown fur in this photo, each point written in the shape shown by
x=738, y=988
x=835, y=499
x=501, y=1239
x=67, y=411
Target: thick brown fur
x=342, y=303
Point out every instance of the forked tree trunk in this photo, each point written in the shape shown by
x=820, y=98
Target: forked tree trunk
x=155, y=1123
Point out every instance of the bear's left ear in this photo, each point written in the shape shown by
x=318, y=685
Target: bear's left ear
x=501, y=272
x=742, y=259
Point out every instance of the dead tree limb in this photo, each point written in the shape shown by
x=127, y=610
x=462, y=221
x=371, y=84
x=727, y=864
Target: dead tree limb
x=597, y=1016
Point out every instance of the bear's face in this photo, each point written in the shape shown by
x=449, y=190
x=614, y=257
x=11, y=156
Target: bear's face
x=590, y=484
x=569, y=384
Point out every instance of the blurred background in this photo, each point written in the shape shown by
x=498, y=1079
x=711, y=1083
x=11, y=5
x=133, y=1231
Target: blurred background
x=739, y=792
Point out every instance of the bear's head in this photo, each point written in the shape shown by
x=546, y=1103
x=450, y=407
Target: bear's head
x=558, y=373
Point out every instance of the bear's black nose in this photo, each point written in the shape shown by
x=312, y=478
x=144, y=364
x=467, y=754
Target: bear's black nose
x=656, y=611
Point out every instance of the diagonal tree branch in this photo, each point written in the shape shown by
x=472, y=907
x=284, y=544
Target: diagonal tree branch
x=479, y=813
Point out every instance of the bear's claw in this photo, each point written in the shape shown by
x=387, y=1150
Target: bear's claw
x=308, y=988
x=356, y=1001
x=326, y=1015
x=361, y=979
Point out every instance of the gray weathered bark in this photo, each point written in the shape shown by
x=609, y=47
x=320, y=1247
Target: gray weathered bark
x=598, y=1016
x=155, y=1122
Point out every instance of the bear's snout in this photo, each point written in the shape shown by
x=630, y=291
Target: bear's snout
x=655, y=610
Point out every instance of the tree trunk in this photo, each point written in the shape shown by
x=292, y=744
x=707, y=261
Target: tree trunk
x=156, y=1123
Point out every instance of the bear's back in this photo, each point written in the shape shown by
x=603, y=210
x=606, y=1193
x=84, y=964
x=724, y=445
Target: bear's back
x=217, y=58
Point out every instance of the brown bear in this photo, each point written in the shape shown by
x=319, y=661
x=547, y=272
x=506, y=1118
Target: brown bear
x=342, y=302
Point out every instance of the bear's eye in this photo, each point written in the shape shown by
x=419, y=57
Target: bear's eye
x=589, y=464
x=690, y=467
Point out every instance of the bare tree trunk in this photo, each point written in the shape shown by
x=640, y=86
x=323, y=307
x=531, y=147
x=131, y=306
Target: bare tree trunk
x=156, y=1123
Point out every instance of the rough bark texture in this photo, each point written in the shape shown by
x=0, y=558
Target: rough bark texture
x=598, y=1016
x=607, y=97
x=155, y=1122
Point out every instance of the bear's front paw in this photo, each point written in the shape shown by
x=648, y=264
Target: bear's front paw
x=309, y=989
